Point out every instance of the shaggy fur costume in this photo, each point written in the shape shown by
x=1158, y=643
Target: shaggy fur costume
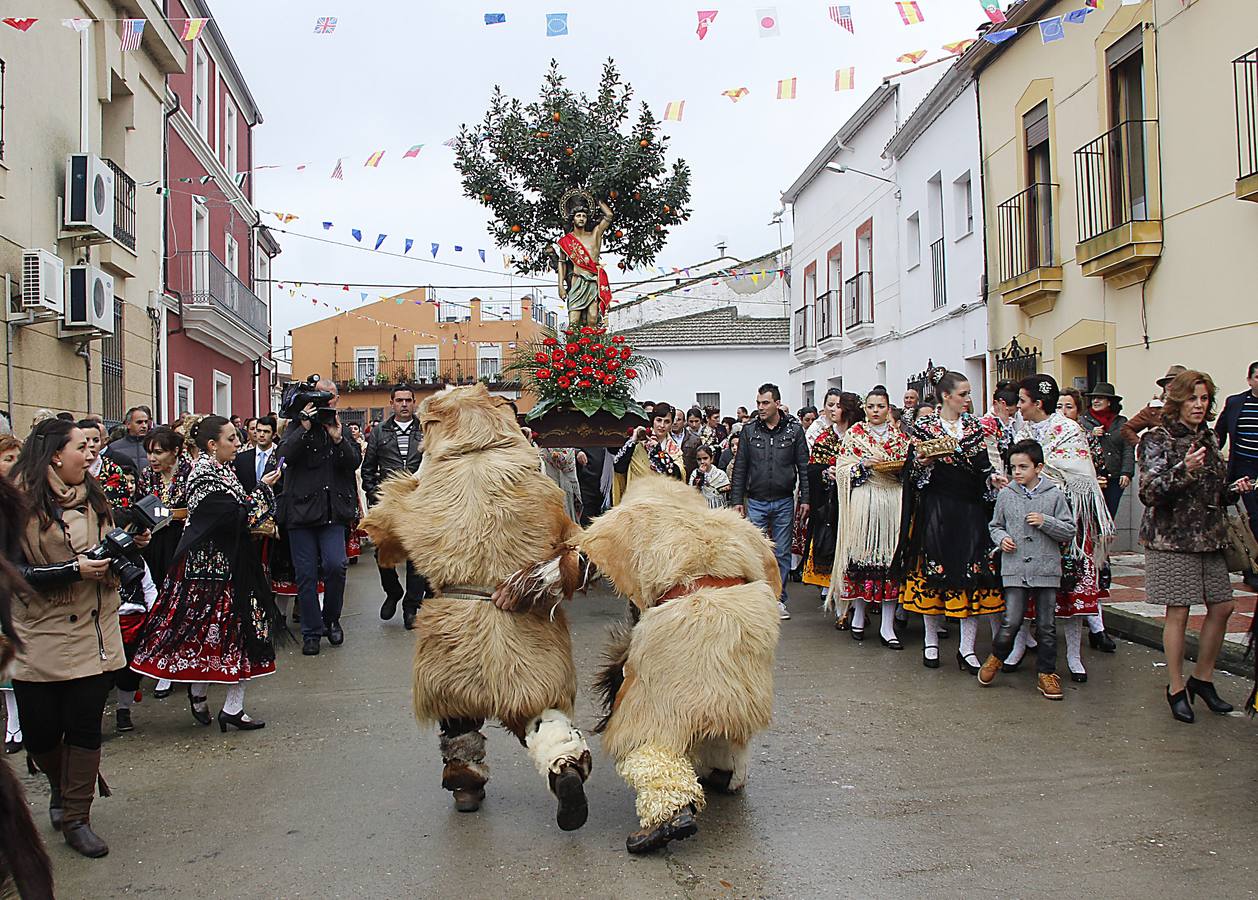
x=478, y=510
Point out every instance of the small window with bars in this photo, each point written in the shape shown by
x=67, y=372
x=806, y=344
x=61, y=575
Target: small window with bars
x=704, y=401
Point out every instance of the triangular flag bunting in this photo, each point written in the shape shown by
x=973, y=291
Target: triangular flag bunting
x=192, y=28
x=912, y=58
x=357, y=233
x=379, y=241
x=910, y=12
x=20, y=24
x=706, y=18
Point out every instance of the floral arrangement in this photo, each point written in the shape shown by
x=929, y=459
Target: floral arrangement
x=584, y=368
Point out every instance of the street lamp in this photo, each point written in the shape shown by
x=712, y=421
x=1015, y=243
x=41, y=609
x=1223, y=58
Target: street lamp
x=841, y=169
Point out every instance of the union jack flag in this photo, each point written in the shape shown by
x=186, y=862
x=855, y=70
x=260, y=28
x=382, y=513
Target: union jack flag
x=325, y=25
x=842, y=15
x=131, y=34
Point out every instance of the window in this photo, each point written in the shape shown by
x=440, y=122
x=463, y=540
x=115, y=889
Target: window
x=1039, y=231
x=222, y=394
x=552, y=321
x=229, y=136
x=111, y=369
x=1125, y=61
x=426, y=364
x=201, y=91
x=365, y=364
x=963, y=205
x=231, y=255
x=184, y=400
x=913, y=241
x=489, y=361
x=934, y=196
x=704, y=401
x=809, y=395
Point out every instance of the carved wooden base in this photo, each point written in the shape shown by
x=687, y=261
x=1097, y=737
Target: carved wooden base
x=573, y=428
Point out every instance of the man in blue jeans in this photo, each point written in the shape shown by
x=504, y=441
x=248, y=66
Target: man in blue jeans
x=772, y=461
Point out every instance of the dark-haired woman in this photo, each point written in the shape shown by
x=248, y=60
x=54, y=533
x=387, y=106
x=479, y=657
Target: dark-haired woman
x=213, y=617
x=838, y=412
x=1104, y=421
x=1184, y=489
x=944, y=559
x=68, y=625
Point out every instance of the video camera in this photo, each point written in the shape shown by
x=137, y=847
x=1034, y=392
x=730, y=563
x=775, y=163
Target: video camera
x=118, y=545
x=300, y=394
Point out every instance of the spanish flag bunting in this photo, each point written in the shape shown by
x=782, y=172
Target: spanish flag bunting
x=673, y=111
x=1095, y=4
x=845, y=79
x=912, y=58
x=373, y=161
x=192, y=28
x=909, y=11
x=21, y=24
x=786, y=89
x=959, y=47
x=736, y=94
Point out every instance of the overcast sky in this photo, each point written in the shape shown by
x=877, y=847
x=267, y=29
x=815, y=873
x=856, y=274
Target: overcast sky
x=401, y=72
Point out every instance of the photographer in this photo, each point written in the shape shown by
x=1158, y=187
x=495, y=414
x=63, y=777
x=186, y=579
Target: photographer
x=318, y=506
x=68, y=625
x=396, y=446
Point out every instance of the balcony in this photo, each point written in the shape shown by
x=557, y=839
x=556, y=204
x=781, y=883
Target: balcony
x=1120, y=216
x=124, y=206
x=829, y=328
x=938, y=276
x=217, y=309
x=804, y=333
x=424, y=373
x=1030, y=276
x=1245, y=84
x=858, y=306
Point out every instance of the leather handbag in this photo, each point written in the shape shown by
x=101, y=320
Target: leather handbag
x=1241, y=549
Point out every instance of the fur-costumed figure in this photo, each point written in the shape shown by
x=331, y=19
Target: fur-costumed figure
x=478, y=510
x=691, y=682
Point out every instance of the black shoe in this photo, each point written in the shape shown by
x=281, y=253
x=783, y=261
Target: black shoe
x=1105, y=578
x=679, y=827
x=239, y=721
x=965, y=665
x=163, y=693
x=1011, y=667
x=1079, y=677
x=894, y=643
x=81, y=838
x=1180, y=707
x=1099, y=640
x=927, y=661
x=336, y=636
x=388, y=609
x=569, y=788
x=408, y=618
x=1205, y=690
x=12, y=745
x=858, y=634
x=310, y=646
x=718, y=780
x=124, y=721
x=201, y=715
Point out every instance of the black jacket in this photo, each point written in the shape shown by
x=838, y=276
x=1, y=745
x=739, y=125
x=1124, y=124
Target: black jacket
x=128, y=451
x=319, y=483
x=770, y=462
x=383, y=457
x=246, y=466
x=1120, y=456
x=1225, y=430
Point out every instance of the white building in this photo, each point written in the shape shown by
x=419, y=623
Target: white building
x=889, y=243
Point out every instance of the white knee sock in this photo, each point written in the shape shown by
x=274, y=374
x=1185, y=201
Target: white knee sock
x=1096, y=622
x=1074, y=641
x=969, y=636
x=162, y=685
x=199, y=690
x=13, y=724
x=930, y=630
x=125, y=698
x=858, y=615
x=886, y=627
x=234, y=703
x=1019, y=646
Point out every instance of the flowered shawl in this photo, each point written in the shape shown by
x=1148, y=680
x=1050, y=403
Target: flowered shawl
x=174, y=494
x=971, y=453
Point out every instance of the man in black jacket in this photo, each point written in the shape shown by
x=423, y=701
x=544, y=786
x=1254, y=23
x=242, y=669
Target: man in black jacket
x=262, y=457
x=1239, y=424
x=772, y=460
x=396, y=445
x=319, y=503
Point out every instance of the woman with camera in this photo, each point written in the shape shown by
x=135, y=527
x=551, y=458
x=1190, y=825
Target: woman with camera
x=68, y=625
x=213, y=616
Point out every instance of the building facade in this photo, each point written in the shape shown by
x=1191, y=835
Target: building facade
x=410, y=339
x=67, y=94
x=216, y=315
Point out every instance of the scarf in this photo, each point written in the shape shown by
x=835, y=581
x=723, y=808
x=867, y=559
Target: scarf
x=1104, y=416
x=65, y=538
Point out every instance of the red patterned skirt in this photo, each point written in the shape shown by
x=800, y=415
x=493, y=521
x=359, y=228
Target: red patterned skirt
x=873, y=588
x=1084, y=599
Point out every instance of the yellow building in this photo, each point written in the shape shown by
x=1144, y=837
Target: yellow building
x=1118, y=242
x=409, y=339
x=98, y=237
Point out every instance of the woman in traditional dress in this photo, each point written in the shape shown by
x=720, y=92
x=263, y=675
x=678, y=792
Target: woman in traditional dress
x=839, y=411
x=1068, y=462
x=944, y=559
x=559, y=464
x=710, y=480
x=213, y=617
x=867, y=472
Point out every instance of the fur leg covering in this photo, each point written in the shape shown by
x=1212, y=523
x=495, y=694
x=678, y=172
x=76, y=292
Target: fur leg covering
x=464, y=758
x=664, y=781
x=553, y=742
x=724, y=756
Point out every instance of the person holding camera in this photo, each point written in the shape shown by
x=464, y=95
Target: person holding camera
x=213, y=616
x=318, y=506
x=67, y=625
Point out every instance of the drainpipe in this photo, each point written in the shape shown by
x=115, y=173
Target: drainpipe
x=85, y=350
x=159, y=325
x=982, y=199
x=8, y=346
x=85, y=72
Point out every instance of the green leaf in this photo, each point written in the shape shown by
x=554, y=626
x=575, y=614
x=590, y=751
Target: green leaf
x=615, y=406
x=636, y=408
x=542, y=407
x=588, y=404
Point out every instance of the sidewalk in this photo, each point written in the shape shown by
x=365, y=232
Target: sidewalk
x=1128, y=614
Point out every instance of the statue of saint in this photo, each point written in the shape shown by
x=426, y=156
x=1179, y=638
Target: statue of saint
x=583, y=284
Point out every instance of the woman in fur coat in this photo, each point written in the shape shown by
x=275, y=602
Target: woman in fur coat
x=478, y=510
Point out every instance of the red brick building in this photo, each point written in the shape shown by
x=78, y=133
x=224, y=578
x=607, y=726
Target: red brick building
x=216, y=321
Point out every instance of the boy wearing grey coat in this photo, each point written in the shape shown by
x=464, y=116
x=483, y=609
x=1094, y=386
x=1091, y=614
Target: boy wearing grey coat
x=1031, y=522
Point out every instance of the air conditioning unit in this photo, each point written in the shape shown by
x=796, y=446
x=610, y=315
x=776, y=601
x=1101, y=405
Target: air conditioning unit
x=43, y=283
x=90, y=299
x=89, y=193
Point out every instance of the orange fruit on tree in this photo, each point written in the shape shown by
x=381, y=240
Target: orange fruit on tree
x=515, y=228
x=619, y=233
x=644, y=143
x=568, y=150
x=555, y=116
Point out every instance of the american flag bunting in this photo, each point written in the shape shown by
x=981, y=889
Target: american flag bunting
x=131, y=34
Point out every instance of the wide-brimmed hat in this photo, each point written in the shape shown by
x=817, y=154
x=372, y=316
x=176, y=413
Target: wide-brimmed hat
x=1171, y=374
x=1104, y=389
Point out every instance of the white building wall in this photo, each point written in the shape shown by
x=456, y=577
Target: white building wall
x=733, y=372
x=764, y=296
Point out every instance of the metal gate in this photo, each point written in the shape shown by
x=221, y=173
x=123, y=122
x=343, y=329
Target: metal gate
x=112, y=406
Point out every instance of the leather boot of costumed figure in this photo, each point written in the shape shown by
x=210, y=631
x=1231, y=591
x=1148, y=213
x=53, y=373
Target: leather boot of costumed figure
x=668, y=797
x=80, y=776
x=559, y=751
x=465, y=774
x=51, y=764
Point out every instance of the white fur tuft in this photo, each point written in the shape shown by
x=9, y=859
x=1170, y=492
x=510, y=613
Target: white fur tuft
x=553, y=740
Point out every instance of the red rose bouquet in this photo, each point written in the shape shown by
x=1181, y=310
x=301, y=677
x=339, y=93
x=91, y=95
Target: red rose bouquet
x=585, y=368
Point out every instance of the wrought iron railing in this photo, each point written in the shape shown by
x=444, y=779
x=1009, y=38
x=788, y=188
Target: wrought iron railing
x=938, y=275
x=1025, y=231
x=202, y=280
x=124, y=206
x=1245, y=83
x=858, y=300
x=827, y=315
x=1015, y=362
x=802, y=328
x=1114, y=178
x=380, y=374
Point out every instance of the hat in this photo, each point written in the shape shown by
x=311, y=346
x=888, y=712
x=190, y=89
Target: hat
x=1171, y=375
x=1104, y=389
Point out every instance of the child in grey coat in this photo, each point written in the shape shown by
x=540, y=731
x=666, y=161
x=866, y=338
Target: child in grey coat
x=1031, y=522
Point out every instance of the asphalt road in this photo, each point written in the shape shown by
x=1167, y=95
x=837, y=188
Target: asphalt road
x=878, y=778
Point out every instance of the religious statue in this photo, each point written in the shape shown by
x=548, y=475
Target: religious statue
x=583, y=284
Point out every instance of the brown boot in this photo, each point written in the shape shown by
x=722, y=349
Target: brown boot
x=647, y=840
x=1050, y=687
x=51, y=764
x=78, y=789
x=987, y=674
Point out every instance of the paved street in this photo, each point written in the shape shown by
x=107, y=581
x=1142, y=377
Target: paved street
x=878, y=778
